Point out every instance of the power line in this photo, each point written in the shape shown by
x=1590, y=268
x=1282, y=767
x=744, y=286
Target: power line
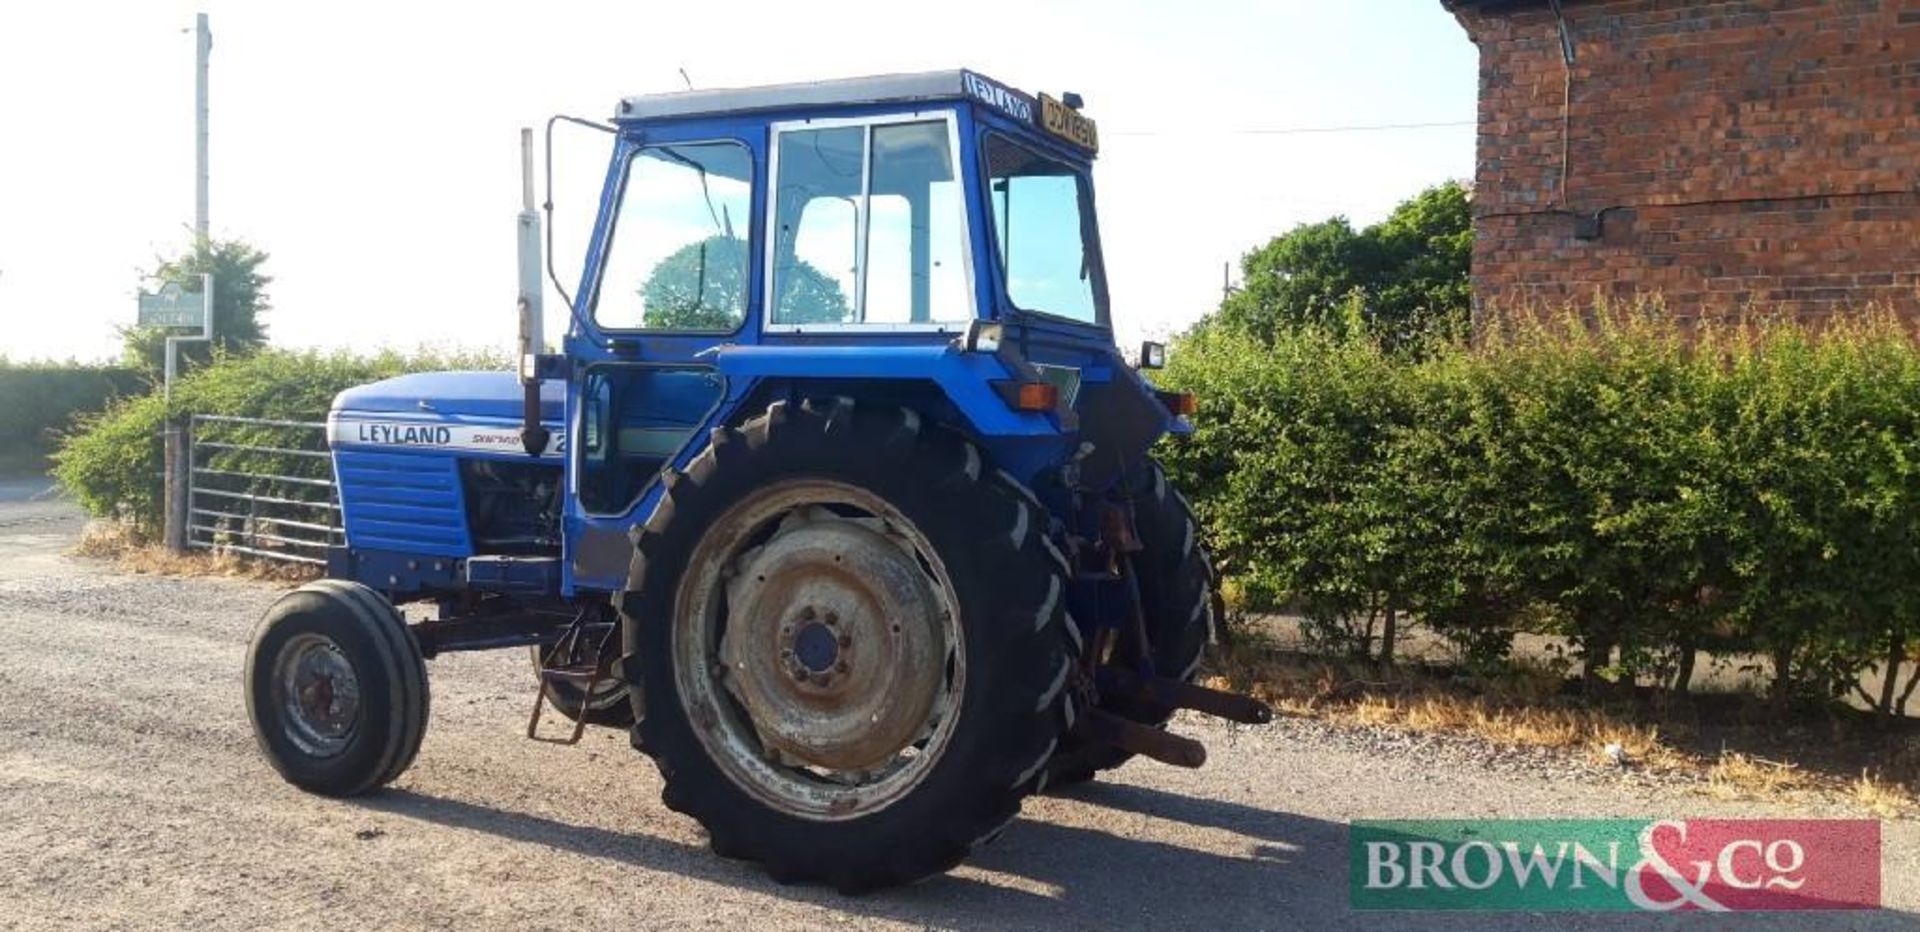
x=1291, y=130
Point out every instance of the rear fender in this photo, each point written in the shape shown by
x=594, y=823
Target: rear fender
x=965, y=379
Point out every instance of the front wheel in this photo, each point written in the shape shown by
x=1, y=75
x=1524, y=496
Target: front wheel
x=853, y=644
x=336, y=689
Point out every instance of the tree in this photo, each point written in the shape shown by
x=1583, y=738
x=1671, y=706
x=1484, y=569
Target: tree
x=239, y=299
x=1407, y=274
x=702, y=286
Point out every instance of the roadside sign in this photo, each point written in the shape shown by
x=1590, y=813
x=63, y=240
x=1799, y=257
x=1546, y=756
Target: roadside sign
x=173, y=307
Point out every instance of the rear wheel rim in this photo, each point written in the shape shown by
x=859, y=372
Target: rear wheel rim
x=818, y=652
x=318, y=695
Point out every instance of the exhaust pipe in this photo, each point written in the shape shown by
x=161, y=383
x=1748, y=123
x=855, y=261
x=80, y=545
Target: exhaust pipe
x=532, y=341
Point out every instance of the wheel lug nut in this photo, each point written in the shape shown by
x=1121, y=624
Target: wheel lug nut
x=840, y=667
x=846, y=640
x=806, y=614
x=832, y=619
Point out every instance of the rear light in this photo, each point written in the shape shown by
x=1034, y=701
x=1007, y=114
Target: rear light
x=1036, y=396
x=1184, y=404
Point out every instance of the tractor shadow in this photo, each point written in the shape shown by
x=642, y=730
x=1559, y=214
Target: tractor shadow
x=1282, y=865
x=1280, y=871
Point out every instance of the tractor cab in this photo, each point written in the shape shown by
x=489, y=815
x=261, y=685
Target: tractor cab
x=907, y=206
x=839, y=494
x=925, y=236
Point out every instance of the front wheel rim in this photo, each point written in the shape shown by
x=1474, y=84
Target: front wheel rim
x=318, y=695
x=818, y=652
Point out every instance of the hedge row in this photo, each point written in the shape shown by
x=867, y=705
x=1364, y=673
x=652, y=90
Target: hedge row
x=1643, y=489
x=39, y=400
x=112, y=463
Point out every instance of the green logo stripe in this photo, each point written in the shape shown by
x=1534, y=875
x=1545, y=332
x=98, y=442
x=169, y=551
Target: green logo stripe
x=1563, y=865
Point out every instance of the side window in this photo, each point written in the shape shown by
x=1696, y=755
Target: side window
x=870, y=226
x=678, y=255
x=817, y=239
x=915, y=267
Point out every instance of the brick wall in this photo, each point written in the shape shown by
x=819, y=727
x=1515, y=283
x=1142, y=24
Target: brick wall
x=1736, y=152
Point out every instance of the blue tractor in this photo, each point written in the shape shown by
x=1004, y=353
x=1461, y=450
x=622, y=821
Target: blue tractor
x=839, y=496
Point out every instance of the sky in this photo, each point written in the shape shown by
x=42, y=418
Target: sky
x=372, y=148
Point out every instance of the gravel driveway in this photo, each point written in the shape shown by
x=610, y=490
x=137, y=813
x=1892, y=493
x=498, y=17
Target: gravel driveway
x=131, y=796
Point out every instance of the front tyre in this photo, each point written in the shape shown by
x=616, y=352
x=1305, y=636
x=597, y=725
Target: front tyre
x=853, y=645
x=336, y=689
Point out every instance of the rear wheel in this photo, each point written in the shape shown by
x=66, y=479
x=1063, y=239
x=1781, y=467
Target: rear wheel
x=336, y=689
x=854, y=647
x=1176, y=597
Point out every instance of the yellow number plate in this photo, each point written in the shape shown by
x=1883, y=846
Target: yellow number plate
x=1065, y=122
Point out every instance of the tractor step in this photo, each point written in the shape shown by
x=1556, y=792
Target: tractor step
x=1104, y=727
x=577, y=675
x=1176, y=694
x=575, y=660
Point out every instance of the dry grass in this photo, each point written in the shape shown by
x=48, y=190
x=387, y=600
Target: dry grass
x=108, y=540
x=1740, y=776
x=1513, y=714
x=1525, y=709
x=1881, y=797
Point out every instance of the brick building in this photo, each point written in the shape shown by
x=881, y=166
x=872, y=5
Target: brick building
x=1719, y=153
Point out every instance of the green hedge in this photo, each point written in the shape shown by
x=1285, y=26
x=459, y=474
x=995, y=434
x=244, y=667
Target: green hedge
x=39, y=400
x=112, y=463
x=1643, y=489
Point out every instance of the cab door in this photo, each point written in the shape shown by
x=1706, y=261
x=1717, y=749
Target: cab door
x=670, y=276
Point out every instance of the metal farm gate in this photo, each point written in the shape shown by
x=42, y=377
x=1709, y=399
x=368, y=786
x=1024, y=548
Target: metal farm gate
x=261, y=487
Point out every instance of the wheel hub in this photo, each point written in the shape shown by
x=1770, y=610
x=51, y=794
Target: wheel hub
x=835, y=645
x=816, y=649
x=320, y=694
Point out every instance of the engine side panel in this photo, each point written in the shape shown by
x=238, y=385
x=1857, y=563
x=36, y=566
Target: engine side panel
x=433, y=479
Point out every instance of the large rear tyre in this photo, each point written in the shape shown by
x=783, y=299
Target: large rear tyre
x=853, y=645
x=1176, y=595
x=336, y=689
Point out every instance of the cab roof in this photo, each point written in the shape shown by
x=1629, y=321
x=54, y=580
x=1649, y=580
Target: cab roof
x=918, y=87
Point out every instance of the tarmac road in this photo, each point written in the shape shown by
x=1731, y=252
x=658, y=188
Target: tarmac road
x=131, y=796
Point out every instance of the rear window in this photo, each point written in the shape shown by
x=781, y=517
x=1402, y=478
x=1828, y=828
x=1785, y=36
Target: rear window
x=1044, y=232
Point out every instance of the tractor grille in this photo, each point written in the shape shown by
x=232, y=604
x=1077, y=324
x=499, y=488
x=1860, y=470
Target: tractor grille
x=403, y=502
